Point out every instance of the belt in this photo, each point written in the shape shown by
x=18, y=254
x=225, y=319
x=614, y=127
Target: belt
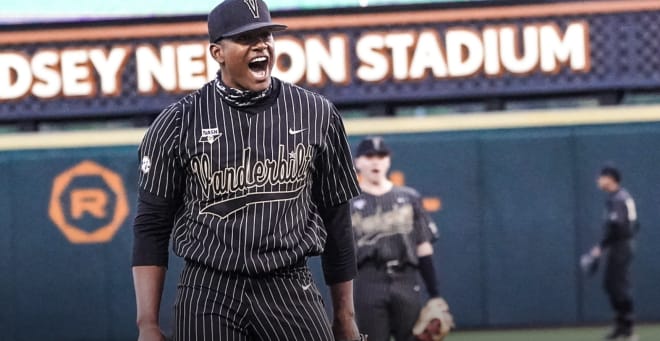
x=300, y=264
x=390, y=266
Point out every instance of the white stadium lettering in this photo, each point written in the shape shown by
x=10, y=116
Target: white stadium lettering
x=456, y=52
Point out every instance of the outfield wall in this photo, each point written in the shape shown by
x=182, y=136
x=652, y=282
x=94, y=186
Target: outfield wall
x=518, y=206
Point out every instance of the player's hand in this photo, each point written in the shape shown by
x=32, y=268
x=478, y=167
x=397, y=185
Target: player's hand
x=345, y=329
x=596, y=251
x=151, y=333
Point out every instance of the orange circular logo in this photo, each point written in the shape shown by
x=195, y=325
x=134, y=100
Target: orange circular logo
x=90, y=200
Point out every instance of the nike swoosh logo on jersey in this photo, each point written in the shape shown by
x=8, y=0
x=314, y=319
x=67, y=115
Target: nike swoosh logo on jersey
x=306, y=287
x=295, y=132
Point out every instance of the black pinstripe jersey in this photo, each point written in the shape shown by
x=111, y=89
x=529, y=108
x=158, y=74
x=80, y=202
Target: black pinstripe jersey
x=390, y=226
x=250, y=183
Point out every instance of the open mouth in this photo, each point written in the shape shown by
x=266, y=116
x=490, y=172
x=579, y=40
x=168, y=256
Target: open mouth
x=259, y=66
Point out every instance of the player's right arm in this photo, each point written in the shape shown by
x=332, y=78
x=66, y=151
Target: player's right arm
x=151, y=228
x=148, y=281
x=335, y=183
x=159, y=198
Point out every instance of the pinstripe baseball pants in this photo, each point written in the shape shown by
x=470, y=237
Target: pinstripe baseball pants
x=617, y=283
x=387, y=302
x=215, y=306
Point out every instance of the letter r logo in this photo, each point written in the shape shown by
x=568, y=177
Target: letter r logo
x=94, y=214
x=91, y=200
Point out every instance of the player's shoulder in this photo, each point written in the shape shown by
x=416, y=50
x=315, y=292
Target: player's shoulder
x=300, y=91
x=179, y=106
x=623, y=194
x=177, y=109
x=166, y=120
x=406, y=191
x=167, y=124
x=359, y=202
x=189, y=99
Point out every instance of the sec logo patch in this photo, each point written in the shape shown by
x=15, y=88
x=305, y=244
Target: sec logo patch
x=145, y=165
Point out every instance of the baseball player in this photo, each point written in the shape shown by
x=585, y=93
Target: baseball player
x=619, y=230
x=394, y=235
x=250, y=176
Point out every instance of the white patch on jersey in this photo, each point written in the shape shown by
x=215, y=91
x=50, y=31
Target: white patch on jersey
x=401, y=200
x=210, y=135
x=434, y=228
x=632, y=209
x=145, y=166
x=359, y=204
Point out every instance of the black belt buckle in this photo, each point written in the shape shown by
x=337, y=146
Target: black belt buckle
x=392, y=266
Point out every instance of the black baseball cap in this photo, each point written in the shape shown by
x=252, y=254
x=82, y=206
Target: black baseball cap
x=612, y=172
x=233, y=17
x=374, y=145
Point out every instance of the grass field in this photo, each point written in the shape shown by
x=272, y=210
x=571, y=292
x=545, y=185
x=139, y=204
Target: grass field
x=645, y=332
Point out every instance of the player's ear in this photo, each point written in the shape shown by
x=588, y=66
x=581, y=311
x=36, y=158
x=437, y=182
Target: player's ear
x=218, y=53
x=358, y=162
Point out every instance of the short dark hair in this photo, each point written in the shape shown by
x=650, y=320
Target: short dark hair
x=612, y=172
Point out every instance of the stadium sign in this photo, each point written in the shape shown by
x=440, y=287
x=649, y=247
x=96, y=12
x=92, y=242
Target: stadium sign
x=89, y=69
x=414, y=54
x=313, y=60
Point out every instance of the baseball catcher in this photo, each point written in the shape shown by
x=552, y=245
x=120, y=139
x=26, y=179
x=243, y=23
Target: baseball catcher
x=394, y=236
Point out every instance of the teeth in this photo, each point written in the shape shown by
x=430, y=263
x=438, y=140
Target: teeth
x=259, y=59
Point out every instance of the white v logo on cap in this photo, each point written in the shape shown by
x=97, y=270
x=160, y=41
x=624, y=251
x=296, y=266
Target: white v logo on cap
x=377, y=141
x=253, y=6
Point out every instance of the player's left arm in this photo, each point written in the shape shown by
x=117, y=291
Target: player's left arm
x=344, y=327
x=435, y=321
x=426, y=233
x=617, y=223
x=427, y=268
x=335, y=183
x=339, y=269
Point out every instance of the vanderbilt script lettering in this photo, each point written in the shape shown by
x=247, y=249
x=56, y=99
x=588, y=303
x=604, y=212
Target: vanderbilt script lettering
x=287, y=168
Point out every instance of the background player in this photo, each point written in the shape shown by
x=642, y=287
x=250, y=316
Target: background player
x=619, y=230
x=248, y=174
x=394, y=235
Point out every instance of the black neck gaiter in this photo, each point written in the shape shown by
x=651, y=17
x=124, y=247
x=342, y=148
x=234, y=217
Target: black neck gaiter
x=241, y=98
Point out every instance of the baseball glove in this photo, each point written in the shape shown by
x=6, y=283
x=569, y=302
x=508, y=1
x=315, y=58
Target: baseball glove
x=434, y=322
x=589, y=264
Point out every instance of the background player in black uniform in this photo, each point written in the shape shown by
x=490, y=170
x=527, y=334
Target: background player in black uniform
x=393, y=235
x=249, y=176
x=619, y=230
